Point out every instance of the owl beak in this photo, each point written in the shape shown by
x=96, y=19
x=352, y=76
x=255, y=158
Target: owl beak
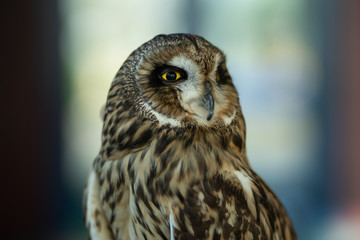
x=209, y=105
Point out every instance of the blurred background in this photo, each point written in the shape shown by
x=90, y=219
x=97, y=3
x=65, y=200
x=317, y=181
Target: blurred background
x=296, y=65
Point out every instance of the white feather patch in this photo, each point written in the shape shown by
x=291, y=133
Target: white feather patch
x=93, y=205
x=171, y=223
x=228, y=120
x=245, y=181
x=161, y=117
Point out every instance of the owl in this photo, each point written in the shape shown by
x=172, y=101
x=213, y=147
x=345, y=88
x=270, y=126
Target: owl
x=173, y=163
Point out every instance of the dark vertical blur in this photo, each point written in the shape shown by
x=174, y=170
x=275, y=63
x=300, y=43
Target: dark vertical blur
x=30, y=128
x=326, y=19
x=328, y=48
x=345, y=105
x=341, y=111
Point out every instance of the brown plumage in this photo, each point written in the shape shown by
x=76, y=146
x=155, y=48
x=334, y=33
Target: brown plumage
x=173, y=162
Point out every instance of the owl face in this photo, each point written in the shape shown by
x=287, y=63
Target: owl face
x=185, y=81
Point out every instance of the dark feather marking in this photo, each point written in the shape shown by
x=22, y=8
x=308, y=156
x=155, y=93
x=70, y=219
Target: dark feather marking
x=237, y=228
x=141, y=195
x=226, y=230
x=188, y=141
x=282, y=230
x=224, y=141
x=236, y=139
x=115, y=94
x=192, y=210
x=152, y=173
x=162, y=235
x=120, y=180
x=209, y=199
x=143, y=139
x=109, y=172
x=97, y=221
x=163, y=161
x=111, y=120
x=200, y=160
x=182, y=170
x=138, y=209
x=121, y=193
x=140, y=220
x=153, y=217
x=133, y=128
x=109, y=192
x=119, y=166
x=113, y=86
x=101, y=162
x=167, y=179
x=270, y=213
x=256, y=202
x=217, y=158
x=146, y=226
x=161, y=145
x=187, y=236
x=245, y=225
x=131, y=170
x=101, y=180
x=154, y=201
x=255, y=231
x=112, y=205
x=193, y=40
x=119, y=120
x=216, y=236
x=112, y=218
x=143, y=154
x=134, y=230
x=162, y=187
x=180, y=196
x=181, y=222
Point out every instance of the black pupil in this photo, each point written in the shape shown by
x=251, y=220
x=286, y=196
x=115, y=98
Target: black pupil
x=171, y=76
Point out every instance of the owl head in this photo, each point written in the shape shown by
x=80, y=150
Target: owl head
x=176, y=83
x=178, y=80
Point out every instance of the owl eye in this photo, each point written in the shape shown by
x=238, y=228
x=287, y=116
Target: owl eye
x=171, y=76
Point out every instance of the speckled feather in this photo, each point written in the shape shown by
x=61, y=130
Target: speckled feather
x=165, y=172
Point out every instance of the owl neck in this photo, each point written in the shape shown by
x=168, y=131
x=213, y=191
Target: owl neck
x=203, y=149
x=198, y=148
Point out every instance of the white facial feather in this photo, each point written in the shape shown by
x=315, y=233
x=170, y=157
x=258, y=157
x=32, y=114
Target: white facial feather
x=190, y=87
x=161, y=117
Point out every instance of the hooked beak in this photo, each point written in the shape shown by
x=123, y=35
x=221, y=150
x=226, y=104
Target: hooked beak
x=209, y=105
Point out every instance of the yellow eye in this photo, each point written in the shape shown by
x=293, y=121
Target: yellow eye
x=217, y=77
x=171, y=76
